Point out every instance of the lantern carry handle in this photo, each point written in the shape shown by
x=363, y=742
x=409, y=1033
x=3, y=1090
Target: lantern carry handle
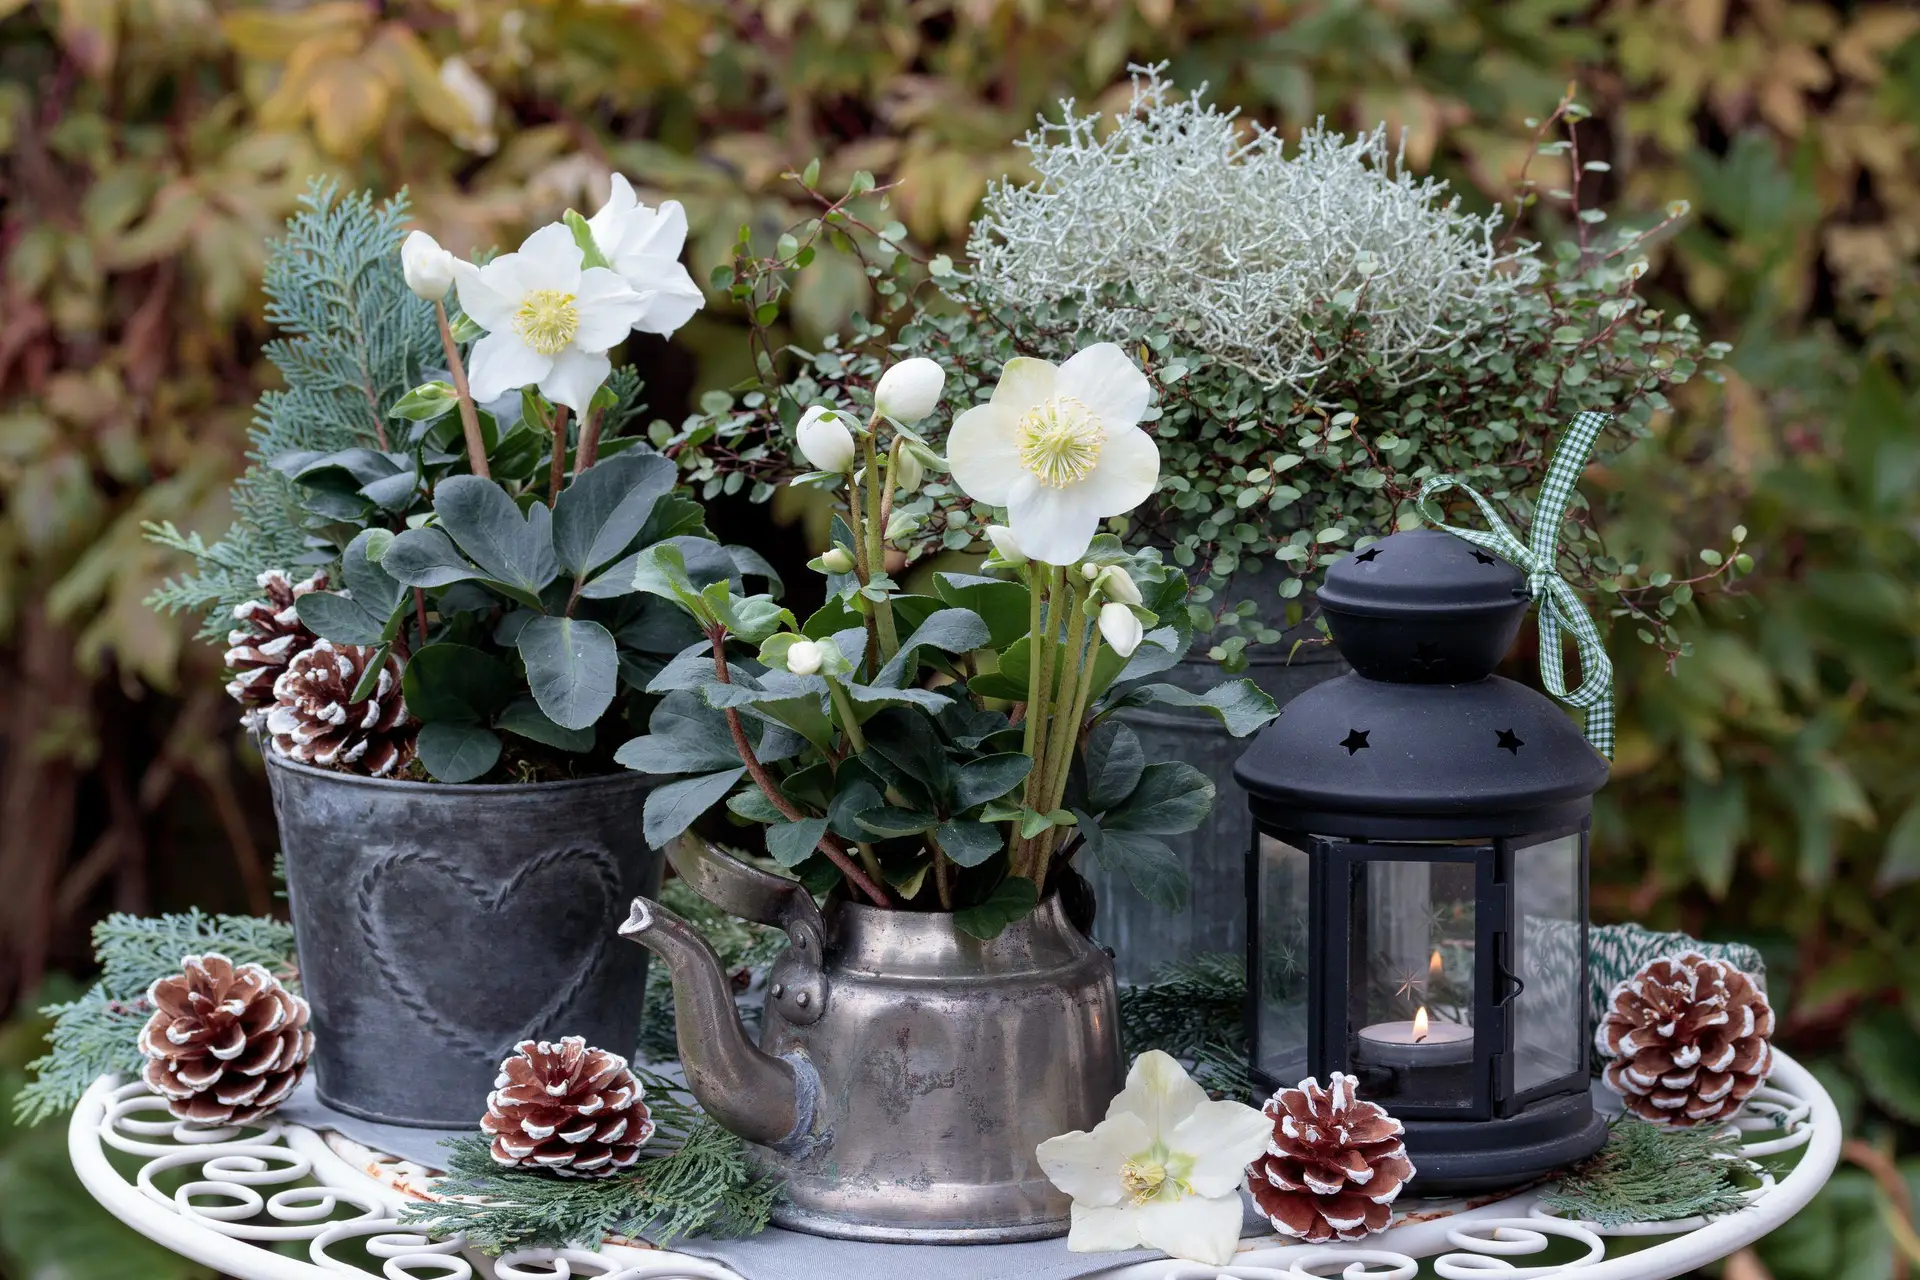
x=1538, y=558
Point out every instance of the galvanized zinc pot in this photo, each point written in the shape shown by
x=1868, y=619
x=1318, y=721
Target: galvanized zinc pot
x=905, y=1071
x=440, y=925
x=1145, y=937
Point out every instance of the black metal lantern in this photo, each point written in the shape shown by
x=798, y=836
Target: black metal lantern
x=1418, y=883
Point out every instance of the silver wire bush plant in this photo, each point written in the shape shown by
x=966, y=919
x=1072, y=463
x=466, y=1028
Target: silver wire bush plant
x=1323, y=332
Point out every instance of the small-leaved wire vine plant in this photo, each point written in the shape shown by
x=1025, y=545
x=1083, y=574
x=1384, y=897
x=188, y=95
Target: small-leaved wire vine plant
x=1310, y=368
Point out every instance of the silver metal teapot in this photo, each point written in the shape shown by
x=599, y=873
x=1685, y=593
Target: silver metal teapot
x=906, y=1071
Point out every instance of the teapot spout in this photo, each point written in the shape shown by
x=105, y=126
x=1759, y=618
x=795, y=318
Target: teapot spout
x=764, y=1099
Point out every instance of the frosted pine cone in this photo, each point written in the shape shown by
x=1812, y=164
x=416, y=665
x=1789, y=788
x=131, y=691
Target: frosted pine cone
x=572, y=1110
x=1333, y=1166
x=226, y=1043
x=315, y=719
x=269, y=635
x=1688, y=1038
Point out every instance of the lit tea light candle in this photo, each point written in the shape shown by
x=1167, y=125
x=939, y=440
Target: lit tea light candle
x=1418, y=1043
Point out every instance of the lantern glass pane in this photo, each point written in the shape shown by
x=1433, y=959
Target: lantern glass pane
x=1281, y=1015
x=1413, y=966
x=1549, y=1017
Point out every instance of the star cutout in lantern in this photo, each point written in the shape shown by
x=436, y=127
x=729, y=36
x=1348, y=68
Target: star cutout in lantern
x=1355, y=741
x=1509, y=741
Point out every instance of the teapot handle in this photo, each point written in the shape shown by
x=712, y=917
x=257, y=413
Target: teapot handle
x=745, y=891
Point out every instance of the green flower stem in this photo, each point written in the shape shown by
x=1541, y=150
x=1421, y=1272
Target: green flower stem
x=1040, y=696
x=1083, y=693
x=557, y=468
x=876, y=539
x=1064, y=730
x=1035, y=595
x=849, y=722
x=863, y=571
x=870, y=860
x=469, y=416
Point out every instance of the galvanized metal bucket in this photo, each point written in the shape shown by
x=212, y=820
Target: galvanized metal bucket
x=440, y=925
x=1145, y=937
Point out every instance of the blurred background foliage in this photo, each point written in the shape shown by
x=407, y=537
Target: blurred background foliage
x=1767, y=788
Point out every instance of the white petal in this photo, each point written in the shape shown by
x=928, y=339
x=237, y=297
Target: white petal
x=1222, y=1138
x=1120, y=628
x=1102, y=378
x=1053, y=525
x=1197, y=1228
x=651, y=233
x=608, y=307
x=1103, y=1229
x=490, y=294
x=575, y=376
x=1158, y=1090
x=984, y=453
x=1086, y=1165
x=910, y=390
x=669, y=294
x=1127, y=471
x=609, y=224
x=550, y=259
x=501, y=362
x=1024, y=383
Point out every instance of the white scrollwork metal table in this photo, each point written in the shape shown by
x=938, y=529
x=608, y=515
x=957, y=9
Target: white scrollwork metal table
x=283, y=1202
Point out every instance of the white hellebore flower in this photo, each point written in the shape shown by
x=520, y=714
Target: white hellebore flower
x=644, y=247
x=429, y=269
x=1116, y=583
x=1164, y=1169
x=1059, y=448
x=1003, y=543
x=910, y=390
x=1120, y=629
x=549, y=322
x=804, y=657
x=824, y=440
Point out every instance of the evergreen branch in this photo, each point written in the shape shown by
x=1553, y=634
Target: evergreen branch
x=1653, y=1173
x=1195, y=1010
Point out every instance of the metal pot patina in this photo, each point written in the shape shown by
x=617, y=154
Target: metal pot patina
x=1145, y=937
x=905, y=1071
x=440, y=925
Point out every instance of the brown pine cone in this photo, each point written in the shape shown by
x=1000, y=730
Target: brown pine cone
x=269, y=635
x=1333, y=1166
x=316, y=721
x=226, y=1043
x=1688, y=1038
x=566, y=1108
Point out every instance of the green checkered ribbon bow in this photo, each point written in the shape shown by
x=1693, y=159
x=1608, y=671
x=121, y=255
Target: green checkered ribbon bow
x=1538, y=557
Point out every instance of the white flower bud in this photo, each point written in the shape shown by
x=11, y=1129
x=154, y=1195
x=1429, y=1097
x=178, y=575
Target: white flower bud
x=1089, y=571
x=838, y=560
x=1121, y=630
x=908, y=471
x=427, y=267
x=1116, y=584
x=910, y=390
x=804, y=658
x=824, y=440
x=1002, y=539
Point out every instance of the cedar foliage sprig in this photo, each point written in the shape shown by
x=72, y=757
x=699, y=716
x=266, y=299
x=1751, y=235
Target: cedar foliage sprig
x=1195, y=1010
x=700, y=1182
x=94, y=1035
x=1650, y=1173
x=355, y=341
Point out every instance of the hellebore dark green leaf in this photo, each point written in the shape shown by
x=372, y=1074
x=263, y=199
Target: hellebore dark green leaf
x=524, y=717
x=487, y=525
x=427, y=558
x=792, y=843
x=1112, y=764
x=599, y=514
x=394, y=492
x=904, y=748
x=1148, y=863
x=890, y=820
x=748, y=561
x=573, y=668
x=1173, y=797
x=854, y=794
x=1004, y=606
x=969, y=844
x=456, y=750
x=1882, y=1047
x=1241, y=705
x=687, y=737
x=1011, y=899
x=948, y=630
x=988, y=778
x=675, y=806
x=367, y=578
x=339, y=618
x=457, y=682
x=752, y=804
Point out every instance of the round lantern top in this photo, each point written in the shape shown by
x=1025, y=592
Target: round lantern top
x=1422, y=741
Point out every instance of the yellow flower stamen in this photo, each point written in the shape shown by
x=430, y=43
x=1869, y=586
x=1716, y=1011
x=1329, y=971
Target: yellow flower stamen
x=1142, y=1180
x=547, y=320
x=1060, y=442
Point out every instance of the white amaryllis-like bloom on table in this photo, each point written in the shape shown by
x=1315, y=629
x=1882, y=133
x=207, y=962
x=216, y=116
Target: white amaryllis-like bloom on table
x=643, y=246
x=1120, y=629
x=1164, y=1169
x=549, y=320
x=910, y=390
x=429, y=269
x=1059, y=448
x=824, y=440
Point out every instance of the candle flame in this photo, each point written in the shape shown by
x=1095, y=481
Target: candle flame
x=1420, y=1025
x=1433, y=965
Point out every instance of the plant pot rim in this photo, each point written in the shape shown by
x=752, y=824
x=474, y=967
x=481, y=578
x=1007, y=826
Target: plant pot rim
x=629, y=776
